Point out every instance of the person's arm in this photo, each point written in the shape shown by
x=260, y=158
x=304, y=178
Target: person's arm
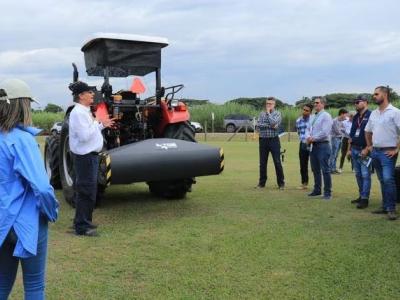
x=83, y=126
x=274, y=119
x=28, y=163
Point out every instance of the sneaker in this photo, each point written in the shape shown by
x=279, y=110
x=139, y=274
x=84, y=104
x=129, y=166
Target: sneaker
x=356, y=200
x=326, y=197
x=363, y=203
x=281, y=187
x=259, y=186
x=336, y=172
x=313, y=194
x=340, y=171
x=391, y=215
x=380, y=211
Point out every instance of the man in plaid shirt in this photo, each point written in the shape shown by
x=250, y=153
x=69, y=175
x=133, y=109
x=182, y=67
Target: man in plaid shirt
x=268, y=125
x=304, y=150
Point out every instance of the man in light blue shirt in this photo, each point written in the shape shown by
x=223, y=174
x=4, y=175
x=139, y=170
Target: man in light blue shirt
x=318, y=137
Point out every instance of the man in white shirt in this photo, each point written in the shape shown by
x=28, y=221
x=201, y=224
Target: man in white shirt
x=85, y=142
x=382, y=134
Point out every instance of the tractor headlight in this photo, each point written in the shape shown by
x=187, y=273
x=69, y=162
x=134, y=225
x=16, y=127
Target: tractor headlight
x=174, y=102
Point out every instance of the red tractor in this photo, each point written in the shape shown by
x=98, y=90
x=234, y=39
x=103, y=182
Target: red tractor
x=153, y=141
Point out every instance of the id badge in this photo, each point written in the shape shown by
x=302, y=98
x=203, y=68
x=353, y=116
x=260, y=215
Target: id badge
x=357, y=134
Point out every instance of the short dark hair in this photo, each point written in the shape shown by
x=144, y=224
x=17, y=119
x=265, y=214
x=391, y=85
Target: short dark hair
x=384, y=89
x=271, y=98
x=309, y=105
x=342, y=111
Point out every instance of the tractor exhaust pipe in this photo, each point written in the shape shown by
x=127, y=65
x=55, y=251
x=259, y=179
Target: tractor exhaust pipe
x=159, y=160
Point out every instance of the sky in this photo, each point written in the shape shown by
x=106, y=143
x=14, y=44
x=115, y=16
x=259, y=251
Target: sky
x=219, y=49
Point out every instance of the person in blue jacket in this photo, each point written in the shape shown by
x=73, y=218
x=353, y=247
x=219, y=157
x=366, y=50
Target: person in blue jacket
x=27, y=201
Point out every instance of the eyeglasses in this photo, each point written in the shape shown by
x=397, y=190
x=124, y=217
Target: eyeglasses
x=358, y=101
x=376, y=94
x=306, y=110
x=270, y=103
x=317, y=102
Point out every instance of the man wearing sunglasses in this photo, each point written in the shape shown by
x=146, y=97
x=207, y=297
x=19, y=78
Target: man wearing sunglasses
x=268, y=125
x=357, y=144
x=382, y=135
x=318, y=137
x=304, y=152
x=85, y=142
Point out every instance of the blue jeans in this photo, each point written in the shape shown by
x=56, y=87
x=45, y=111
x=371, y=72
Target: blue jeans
x=363, y=174
x=319, y=158
x=33, y=268
x=384, y=167
x=336, y=142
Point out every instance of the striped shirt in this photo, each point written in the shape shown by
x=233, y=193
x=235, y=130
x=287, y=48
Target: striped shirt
x=268, y=124
x=301, y=126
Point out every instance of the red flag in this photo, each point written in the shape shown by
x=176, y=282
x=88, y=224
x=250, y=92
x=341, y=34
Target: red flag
x=137, y=86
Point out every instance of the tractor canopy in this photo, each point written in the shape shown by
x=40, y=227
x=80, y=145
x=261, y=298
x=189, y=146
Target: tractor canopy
x=122, y=55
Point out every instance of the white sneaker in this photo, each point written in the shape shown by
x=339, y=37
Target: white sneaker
x=339, y=170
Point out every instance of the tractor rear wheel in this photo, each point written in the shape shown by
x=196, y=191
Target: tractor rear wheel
x=175, y=189
x=51, y=160
x=66, y=164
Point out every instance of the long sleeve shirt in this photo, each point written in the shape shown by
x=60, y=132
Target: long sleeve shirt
x=84, y=131
x=268, y=124
x=338, y=129
x=320, y=127
x=25, y=191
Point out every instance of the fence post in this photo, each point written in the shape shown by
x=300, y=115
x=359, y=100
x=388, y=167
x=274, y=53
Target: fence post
x=205, y=131
x=289, y=129
x=245, y=133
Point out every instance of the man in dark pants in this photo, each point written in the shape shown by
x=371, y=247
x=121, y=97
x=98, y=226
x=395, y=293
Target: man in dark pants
x=268, y=125
x=318, y=137
x=356, y=145
x=304, y=151
x=85, y=141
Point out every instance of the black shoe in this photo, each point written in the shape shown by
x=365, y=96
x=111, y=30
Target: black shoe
x=259, y=186
x=91, y=226
x=380, y=211
x=363, y=203
x=391, y=215
x=356, y=200
x=313, y=194
x=281, y=187
x=89, y=232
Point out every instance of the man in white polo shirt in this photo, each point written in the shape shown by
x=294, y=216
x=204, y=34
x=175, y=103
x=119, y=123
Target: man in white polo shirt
x=85, y=142
x=382, y=134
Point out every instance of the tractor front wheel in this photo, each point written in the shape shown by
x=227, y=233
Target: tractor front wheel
x=175, y=189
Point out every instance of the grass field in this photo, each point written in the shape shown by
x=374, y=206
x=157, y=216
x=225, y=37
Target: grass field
x=229, y=241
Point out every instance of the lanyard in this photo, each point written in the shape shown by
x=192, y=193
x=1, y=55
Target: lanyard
x=316, y=116
x=360, y=119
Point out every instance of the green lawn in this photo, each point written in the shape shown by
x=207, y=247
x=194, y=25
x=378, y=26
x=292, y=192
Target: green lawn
x=229, y=241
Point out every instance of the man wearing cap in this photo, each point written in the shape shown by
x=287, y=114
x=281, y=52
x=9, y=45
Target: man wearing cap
x=318, y=137
x=357, y=144
x=382, y=134
x=85, y=141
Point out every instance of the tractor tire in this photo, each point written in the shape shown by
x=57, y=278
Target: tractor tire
x=51, y=160
x=175, y=189
x=66, y=164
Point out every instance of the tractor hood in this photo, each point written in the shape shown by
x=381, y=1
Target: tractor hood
x=122, y=54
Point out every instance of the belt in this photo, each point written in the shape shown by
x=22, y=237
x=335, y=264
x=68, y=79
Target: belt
x=357, y=147
x=322, y=142
x=384, y=148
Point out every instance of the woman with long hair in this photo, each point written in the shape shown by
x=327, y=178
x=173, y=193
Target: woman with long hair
x=27, y=201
